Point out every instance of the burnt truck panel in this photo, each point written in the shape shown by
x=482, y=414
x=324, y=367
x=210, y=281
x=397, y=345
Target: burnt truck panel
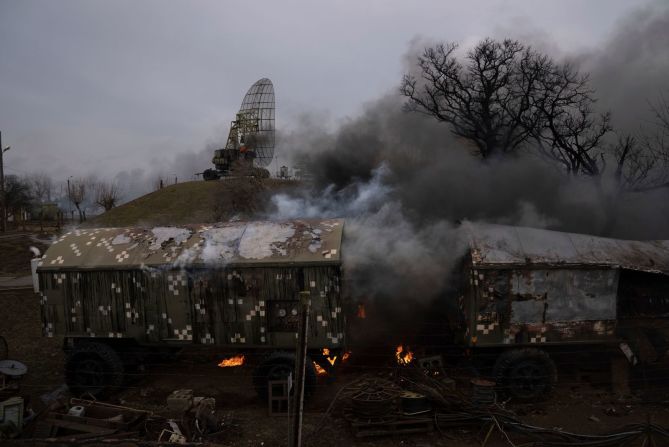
x=530, y=306
x=197, y=286
x=537, y=287
x=555, y=295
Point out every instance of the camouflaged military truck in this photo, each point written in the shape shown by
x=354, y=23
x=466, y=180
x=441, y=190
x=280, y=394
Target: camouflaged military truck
x=527, y=295
x=116, y=294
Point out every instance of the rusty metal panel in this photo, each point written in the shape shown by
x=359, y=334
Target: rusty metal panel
x=534, y=306
x=501, y=246
x=557, y=295
x=259, y=243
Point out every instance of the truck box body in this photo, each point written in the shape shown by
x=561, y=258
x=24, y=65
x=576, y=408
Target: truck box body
x=231, y=284
x=526, y=286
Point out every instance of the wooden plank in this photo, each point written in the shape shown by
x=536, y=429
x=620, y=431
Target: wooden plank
x=88, y=435
x=92, y=421
x=76, y=426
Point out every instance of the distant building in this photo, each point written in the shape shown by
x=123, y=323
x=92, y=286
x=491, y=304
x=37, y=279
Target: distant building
x=301, y=170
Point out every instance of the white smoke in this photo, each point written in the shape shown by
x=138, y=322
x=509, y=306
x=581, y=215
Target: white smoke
x=383, y=252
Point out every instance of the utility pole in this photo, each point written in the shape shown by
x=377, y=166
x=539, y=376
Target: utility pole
x=3, y=197
x=300, y=366
x=69, y=199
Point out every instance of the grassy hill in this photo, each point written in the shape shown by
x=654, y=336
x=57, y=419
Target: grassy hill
x=195, y=202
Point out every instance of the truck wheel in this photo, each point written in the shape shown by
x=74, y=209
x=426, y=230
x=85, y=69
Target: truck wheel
x=92, y=368
x=277, y=366
x=525, y=374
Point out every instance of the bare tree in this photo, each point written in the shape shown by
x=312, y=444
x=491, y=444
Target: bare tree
x=506, y=95
x=503, y=96
x=642, y=162
x=107, y=195
x=18, y=196
x=661, y=111
x=569, y=131
x=42, y=186
x=489, y=100
x=659, y=142
x=76, y=193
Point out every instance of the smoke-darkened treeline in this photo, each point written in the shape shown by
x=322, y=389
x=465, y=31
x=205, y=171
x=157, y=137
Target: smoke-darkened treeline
x=37, y=194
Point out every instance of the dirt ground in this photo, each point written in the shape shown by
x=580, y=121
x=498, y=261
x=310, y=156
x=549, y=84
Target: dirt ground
x=582, y=402
x=577, y=407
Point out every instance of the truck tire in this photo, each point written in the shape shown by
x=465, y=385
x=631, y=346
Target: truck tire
x=277, y=366
x=525, y=374
x=93, y=368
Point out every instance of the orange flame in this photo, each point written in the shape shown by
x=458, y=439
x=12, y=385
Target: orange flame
x=326, y=354
x=319, y=369
x=404, y=355
x=362, y=314
x=346, y=355
x=237, y=360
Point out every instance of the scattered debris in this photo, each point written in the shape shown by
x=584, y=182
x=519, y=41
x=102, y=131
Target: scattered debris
x=205, y=415
x=414, y=403
x=11, y=417
x=483, y=392
x=86, y=419
x=175, y=435
x=11, y=373
x=180, y=400
x=55, y=397
x=374, y=409
x=279, y=396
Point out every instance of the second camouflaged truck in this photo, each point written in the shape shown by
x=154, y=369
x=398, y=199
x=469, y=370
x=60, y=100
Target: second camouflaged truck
x=115, y=294
x=527, y=295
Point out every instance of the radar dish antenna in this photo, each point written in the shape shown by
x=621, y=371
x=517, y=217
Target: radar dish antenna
x=253, y=128
x=250, y=144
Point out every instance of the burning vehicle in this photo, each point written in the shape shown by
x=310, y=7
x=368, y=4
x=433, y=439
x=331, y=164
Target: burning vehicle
x=528, y=293
x=120, y=294
x=524, y=295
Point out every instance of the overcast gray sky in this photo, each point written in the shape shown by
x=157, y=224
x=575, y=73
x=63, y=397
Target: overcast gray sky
x=92, y=87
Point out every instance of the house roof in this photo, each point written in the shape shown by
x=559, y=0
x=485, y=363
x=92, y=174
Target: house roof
x=503, y=245
x=257, y=243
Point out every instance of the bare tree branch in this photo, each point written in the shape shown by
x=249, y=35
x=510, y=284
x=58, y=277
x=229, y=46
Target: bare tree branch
x=107, y=195
x=488, y=99
x=571, y=133
x=42, y=186
x=76, y=193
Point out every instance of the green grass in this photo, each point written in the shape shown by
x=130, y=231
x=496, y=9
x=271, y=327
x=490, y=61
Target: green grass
x=195, y=202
